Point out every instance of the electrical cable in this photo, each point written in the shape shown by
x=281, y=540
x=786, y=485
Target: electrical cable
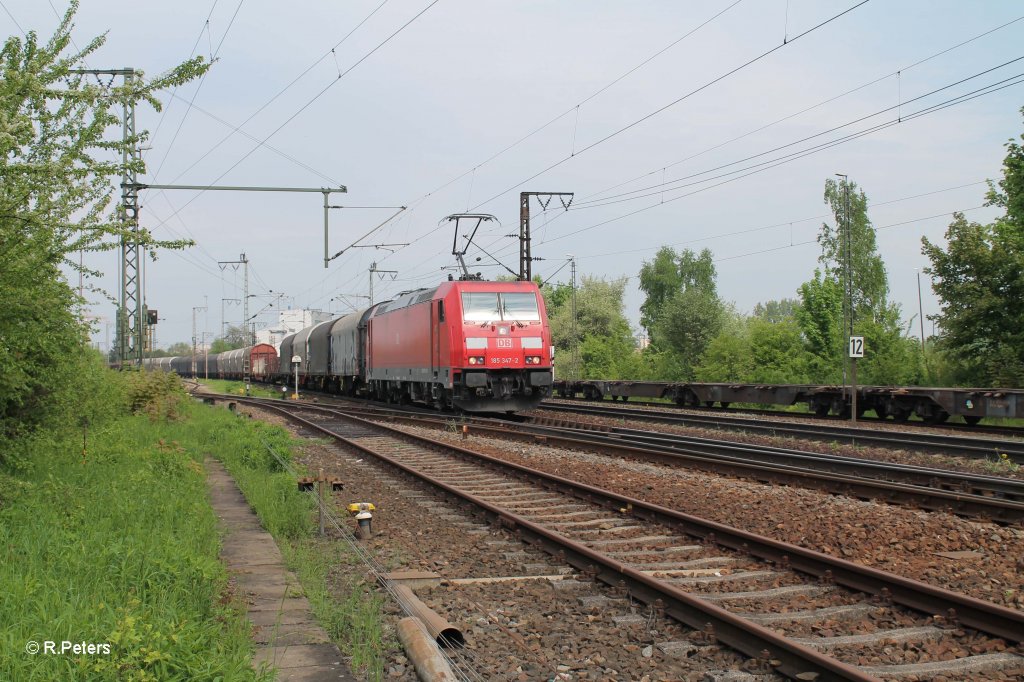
x=810, y=108
x=666, y=186
x=310, y=102
x=674, y=102
x=987, y=90
x=574, y=108
x=815, y=241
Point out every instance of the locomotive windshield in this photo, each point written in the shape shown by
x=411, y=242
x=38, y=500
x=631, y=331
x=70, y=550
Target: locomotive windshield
x=519, y=307
x=487, y=307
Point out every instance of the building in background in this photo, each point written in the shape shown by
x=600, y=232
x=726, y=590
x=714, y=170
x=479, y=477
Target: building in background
x=289, y=322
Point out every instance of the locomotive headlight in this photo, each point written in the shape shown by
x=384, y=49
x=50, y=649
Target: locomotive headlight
x=533, y=359
x=476, y=359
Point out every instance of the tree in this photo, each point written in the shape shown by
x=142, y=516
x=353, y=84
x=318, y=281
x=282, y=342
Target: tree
x=607, y=349
x=234, y=337
x=179, y=348
x=870, y=286
x=777, y=311
x=682, y=311
x=979, y=283
x=59, y=166
x=849, y=254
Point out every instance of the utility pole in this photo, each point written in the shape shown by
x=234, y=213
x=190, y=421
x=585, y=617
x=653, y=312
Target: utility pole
x=525, y=259
x=244, y=262
x=575, y=341
x=373, y=269
x=920, y=308
x=206, y=356
x=131, y=321
x=195, y=309
x=848, y=308
x=223, y=323
x=844, y=253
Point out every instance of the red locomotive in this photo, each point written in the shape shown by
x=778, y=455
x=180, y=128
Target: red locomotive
x=474, y=345
x=470, y=345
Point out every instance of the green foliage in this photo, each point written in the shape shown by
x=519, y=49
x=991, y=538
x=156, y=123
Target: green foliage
x=606, y=346
x=978, y=279
x=850, y=208
x=234, y=337
x=60, y=162
x=121, y=547
x=178, y=349
x=820, y=317
x=157, y=394
x=682, y=311
x=255, y=453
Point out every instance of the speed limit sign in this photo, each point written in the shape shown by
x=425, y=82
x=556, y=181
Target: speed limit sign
x=856, y=346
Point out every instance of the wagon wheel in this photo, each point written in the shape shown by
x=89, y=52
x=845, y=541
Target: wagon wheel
x=901, y=414
x=971, y=420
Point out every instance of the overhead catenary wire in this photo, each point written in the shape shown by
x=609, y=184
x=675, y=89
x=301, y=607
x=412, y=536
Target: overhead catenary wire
x=649, y=115
x=931, y=109
x=570, y=110
x=315, y=97
x=819, y=104
x=239, y=128
x=665, y=186
x=674, y=102
x=807, y=109
x=758, y=168
x=876, y=228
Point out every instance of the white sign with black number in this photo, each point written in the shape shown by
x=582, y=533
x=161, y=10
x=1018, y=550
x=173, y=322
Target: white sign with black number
x=856, y=346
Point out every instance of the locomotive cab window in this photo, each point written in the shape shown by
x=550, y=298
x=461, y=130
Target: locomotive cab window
x=478, y=306
x=488, y=307
x=440, y=311
x=519, y=307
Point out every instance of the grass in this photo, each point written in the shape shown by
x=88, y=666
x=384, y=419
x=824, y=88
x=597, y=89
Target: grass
x=121, y=548
x=345, y=603
x=238, y=388
x=1001, y=464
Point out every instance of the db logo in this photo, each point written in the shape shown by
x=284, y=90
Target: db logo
x=504, y=343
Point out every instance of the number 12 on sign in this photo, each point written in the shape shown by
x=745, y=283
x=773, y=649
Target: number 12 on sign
x=856, y=346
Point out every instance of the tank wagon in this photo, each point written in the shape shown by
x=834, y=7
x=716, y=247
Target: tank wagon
x=934, y=405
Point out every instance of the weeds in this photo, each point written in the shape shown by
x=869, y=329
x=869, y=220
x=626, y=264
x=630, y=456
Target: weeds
x=120, y=549
x=346, y=605
x=1002, y=464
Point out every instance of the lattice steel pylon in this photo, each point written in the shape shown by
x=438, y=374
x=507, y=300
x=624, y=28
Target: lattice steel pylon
x=132, y=315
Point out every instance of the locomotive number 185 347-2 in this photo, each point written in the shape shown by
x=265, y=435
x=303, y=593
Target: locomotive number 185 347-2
x=504, y=361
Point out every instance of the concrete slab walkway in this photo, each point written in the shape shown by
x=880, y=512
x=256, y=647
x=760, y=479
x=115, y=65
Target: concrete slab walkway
x=287, y=636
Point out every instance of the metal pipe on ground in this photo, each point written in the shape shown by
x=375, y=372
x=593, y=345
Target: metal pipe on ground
x=443, y=632
x=425, y=656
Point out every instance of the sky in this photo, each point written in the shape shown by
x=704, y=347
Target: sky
x=700, y=124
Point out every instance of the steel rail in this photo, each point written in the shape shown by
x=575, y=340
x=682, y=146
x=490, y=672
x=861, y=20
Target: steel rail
x=788, y=657
x=730, y=459
x=975, y=613
x=916, y=475
x=978, y=448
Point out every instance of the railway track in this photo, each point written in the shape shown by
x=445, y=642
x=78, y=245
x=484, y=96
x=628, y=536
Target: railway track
x=923, y=426
x=759, y=596
x=986, y=498
x=962, y=446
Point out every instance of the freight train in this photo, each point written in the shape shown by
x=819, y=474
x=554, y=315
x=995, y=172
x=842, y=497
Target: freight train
x=469, y=345
x=933, y=405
